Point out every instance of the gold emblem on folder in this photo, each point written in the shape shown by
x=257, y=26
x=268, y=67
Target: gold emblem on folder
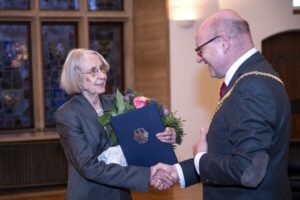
x=140, y=135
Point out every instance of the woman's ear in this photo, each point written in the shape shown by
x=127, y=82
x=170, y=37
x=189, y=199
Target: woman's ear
x=79, y=81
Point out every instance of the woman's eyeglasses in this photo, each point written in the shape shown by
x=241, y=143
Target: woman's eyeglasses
x=94, y=71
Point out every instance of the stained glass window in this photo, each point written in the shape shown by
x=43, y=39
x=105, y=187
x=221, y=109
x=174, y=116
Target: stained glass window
x=59, y=5
x=57, y=40
x=15, y=4
x=106, y=38
x=95, y=5
x=29, y=77
x=16, y=108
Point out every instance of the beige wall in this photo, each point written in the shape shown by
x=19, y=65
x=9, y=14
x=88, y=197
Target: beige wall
x=193, y=93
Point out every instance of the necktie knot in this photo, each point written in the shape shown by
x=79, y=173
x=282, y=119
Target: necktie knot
x=223, y=90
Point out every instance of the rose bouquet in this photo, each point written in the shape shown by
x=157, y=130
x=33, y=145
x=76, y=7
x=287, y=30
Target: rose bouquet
x=133, y=100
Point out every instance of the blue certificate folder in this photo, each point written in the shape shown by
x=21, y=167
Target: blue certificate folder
x=136, y=133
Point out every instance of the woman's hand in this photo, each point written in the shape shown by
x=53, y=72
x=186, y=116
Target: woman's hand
x=168, y=136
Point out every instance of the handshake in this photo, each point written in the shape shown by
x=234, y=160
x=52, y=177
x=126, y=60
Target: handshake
x=163, y=176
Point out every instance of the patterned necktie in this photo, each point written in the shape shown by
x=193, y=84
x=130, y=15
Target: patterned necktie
x=223, y=90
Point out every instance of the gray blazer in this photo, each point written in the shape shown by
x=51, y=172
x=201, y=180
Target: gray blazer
x=83, y=139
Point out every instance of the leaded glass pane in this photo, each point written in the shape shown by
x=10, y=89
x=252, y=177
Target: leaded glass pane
x=106, y=38
x=57, y=40
x=95, y=5
x=16, y=108
x=14, y=4
x=59, y=5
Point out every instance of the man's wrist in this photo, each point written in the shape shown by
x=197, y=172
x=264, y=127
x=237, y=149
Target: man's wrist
x=180, y=175
x=197, y=161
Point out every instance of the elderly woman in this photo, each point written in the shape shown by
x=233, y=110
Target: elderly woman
x=83, y=138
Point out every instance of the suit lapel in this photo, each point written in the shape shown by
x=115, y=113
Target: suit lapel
x=87, y=108
x=245, y=67
x=91, y=115
x=107, y=102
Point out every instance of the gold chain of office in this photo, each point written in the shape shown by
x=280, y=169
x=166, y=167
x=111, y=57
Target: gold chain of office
x=244, y=75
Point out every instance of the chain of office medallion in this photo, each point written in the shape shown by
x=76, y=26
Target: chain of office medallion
x=244, y=75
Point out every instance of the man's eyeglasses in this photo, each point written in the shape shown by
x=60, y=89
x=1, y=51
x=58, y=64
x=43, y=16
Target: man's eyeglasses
x=94, y=71
x=198, y=49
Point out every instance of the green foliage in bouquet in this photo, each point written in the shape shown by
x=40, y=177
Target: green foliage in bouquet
x=170, y=120
x=134, y=100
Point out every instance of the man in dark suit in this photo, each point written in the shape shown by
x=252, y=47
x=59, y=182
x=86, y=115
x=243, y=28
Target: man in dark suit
x=243, y=155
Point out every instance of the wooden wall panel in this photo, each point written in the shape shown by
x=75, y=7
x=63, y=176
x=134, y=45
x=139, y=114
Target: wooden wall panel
x=151, y=49
x=283, y=52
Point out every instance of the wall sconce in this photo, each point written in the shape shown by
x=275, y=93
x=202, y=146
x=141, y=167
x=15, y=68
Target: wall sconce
x=296, y=3
x=184, y=12
x=296, y=6
x=185, y=23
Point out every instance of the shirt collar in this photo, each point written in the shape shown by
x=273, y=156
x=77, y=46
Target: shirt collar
x=233, y=68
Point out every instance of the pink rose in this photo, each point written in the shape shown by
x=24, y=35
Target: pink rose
x=139, y=102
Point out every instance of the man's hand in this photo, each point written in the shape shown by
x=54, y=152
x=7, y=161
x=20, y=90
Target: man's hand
x=201, y=145
x=163, y=176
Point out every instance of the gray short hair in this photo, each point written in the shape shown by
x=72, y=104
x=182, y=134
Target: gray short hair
x=70, y=74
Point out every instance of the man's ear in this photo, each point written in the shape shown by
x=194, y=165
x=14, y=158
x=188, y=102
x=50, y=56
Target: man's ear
x=225, y=42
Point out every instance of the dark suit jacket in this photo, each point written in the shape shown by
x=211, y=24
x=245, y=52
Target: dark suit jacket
x=248, y=140
x=83, y=139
